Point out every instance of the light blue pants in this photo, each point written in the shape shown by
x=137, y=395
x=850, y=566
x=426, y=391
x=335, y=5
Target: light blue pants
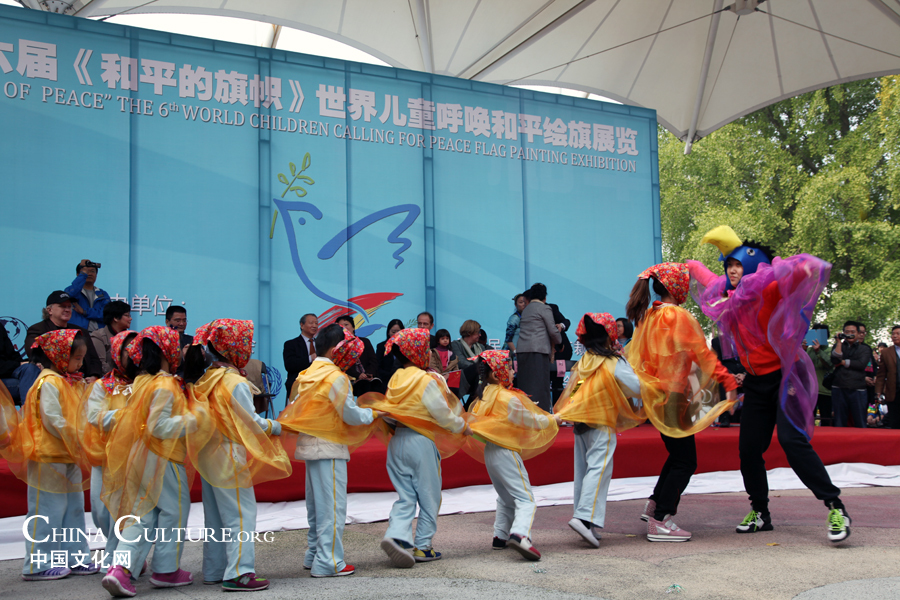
x=231, y=515
x=326, y=511
x=515, y=502
x=593, y=471
x=414, y=466
x=164, y=525
x=63, y=511
x=102, y=519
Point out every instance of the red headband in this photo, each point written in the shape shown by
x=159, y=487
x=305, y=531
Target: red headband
x=674, y=277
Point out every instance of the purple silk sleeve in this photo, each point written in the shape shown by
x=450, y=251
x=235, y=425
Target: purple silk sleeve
x=800, y=280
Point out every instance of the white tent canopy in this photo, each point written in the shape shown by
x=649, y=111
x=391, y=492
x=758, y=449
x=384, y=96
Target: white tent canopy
x=699, y=63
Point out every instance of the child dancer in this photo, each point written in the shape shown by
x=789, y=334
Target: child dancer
x=763, y=306
x=513, y=428
x=43, y=449
x=430, y=425
x=145, y=474
x=678, y=374
x=327, y=419
x=597, y=401
x=97, y=417
x=238, y=454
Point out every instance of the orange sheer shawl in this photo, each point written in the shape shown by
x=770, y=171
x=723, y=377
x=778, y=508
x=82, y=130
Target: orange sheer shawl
x=26, y=440
x=235, y=452
x=312, y=412
x=150, y=431
x=593, y=396
x=508, y=418
x=676, y=369
x=403, y=403
x=92, y=413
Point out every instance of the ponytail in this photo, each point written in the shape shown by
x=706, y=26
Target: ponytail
x=638, y=301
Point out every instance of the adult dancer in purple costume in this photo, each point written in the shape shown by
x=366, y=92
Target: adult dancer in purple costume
x=762, y=308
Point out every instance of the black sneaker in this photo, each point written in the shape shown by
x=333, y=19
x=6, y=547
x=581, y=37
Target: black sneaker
x=755, y=521
x=498, y=544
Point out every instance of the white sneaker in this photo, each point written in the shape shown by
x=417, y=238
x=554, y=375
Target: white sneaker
x=666, y=531
x=584, y=532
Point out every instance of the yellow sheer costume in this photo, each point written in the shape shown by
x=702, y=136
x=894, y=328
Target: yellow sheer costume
x=678, y=371
x=509, y=419
x=44, y=431
x=94, y=414
x=593, y=396
x=405, y=403
x=235, y=451
x=150, y=431
x=314, y=413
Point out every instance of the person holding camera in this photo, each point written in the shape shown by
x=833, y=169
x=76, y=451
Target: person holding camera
x=88, y=300
x=848, y=392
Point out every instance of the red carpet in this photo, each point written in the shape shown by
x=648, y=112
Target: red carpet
x=640, y=452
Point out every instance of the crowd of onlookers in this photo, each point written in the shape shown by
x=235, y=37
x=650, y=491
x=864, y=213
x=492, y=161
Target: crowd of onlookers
x=857, y=385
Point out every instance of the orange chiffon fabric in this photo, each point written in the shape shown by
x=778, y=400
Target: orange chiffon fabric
x=593, y=396
x=26, y=439
x=235, y=452
x=91, y=416
x=403, y=403
x=136, y=458
x=312, y=412
x=678, y=372
x=509, y=419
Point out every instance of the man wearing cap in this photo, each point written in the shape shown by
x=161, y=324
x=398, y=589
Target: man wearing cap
x=87, y=300
x=58, y=313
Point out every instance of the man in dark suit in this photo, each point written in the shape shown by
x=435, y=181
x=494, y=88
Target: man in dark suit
x=562, y=350
x=301, y=351
x=176, y=318
x=59, y=311
x=886, y=379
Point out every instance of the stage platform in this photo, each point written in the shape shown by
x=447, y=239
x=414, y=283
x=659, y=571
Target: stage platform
x=639, y=453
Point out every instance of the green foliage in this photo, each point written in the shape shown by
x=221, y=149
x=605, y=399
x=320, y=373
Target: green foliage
x=818, y=173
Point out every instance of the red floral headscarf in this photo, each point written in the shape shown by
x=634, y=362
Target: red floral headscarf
x=115, y=348
x=164, y=337
x=674, y=277
x=57, y=345
x=498, y=361
x=414, y=343
x=604, y=319
x=347, y=352
x=231, y=338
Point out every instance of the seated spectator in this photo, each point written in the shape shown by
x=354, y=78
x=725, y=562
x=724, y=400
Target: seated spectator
x=512, y=324
x=117, y=318
x=57, y=316
x=625, y=329
x=467, y=348
x=365, y=371
x=176, y=318
x=18, y=374
x=388, y=365
x=442, y=358
x=88, y=300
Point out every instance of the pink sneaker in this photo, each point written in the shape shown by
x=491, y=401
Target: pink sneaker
x=118, y=583
x=649, y=509
x=666, y=531
x=170, y=580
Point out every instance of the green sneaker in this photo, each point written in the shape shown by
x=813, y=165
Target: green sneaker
x=838, y=525
x=755, y=521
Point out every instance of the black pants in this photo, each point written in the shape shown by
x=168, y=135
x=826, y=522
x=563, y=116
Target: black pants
x=893, y=415
x=826, y=416
x=761, y=413
x=675, y=476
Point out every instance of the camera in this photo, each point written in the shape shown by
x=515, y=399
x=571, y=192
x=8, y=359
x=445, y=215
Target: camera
x=90, y=264
x=841, y=337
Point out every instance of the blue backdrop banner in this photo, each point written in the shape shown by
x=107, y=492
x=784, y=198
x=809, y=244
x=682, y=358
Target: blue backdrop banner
x=251, y=183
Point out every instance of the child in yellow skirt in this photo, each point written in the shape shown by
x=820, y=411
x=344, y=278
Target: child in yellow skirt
x=509, y=428
x=44, y=451
x=597, y=401
x=238, y=455
x=98, y=416
x=430, y=426
x=327, y=422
